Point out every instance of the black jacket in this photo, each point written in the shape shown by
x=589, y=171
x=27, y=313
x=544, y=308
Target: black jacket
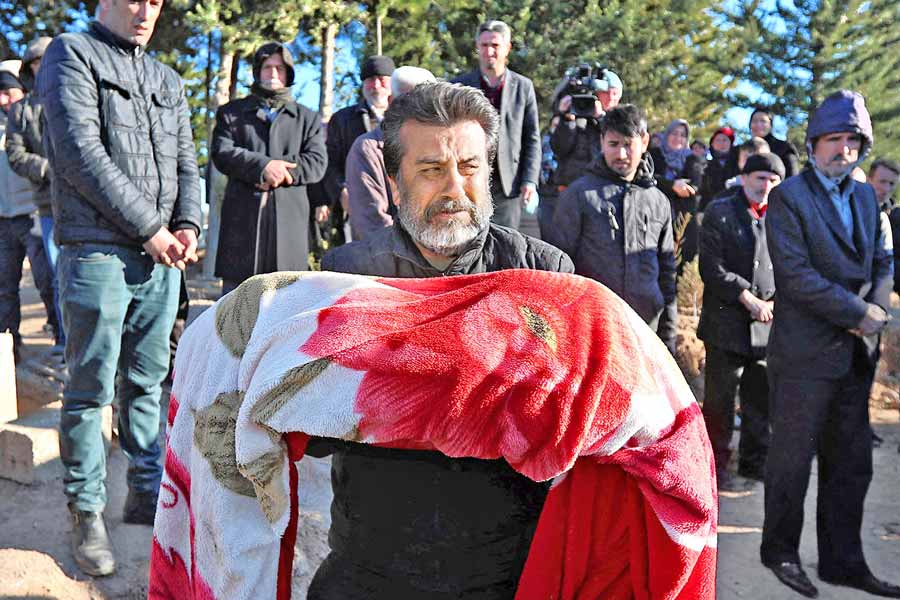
x=787, y=153
x=715, y=174
x=418, y=524
x=243, y=143
x=824, y=277
x=584, y=228
x=576, y=145
x=895, y=237
x=25, y=149
x=118, y=138
x=734, y=257
x=344, y=127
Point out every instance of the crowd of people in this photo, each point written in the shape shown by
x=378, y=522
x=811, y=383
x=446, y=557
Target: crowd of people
x=423, y=178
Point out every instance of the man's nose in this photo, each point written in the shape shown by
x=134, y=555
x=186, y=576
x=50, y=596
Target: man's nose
x=454, y=185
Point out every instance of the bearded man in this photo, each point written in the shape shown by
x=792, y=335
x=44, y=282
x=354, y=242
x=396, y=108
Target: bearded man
x=439, y=527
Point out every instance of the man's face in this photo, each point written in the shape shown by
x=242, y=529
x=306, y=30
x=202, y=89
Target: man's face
x=273, y=73
x=131, y=20
x=884, y=181
x=377, y=90
x=609, y=98
x=761, y=124
x=9, y=97
x=835, y=152
x=721, y=143
x=622, y=153
x=442, y=191
x=758, y=184
x=492, y=51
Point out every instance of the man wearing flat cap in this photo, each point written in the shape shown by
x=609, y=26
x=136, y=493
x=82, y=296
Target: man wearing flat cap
x=351, y=122
x=833, y=271
x=271, y=148
x=738, y=300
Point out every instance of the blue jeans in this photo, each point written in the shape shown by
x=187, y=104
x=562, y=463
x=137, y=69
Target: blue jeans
x=118, y=308
x=17, y=242
x=51, y=250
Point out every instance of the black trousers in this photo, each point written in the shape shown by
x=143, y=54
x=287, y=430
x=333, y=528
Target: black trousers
x=729, y=376
x=828, y=418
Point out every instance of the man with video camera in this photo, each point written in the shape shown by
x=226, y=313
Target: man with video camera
x=588, y=92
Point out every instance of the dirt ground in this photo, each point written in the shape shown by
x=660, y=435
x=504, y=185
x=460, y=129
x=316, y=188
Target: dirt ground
x=35, y=561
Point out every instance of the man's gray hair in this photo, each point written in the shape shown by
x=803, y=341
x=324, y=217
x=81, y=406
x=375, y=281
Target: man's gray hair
x=495, y=26
x=405, y=78
x=439, y=104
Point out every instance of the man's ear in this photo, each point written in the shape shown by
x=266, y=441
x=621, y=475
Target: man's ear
x=395, y=191
x=645, y=142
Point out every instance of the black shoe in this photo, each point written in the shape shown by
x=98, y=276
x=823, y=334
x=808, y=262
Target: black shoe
x=867, y=583
x=734, y=484
x=792, y=575
x=140, y=507
x=90, y=543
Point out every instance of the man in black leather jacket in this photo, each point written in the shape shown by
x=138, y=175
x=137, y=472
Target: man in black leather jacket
x=126, y=203
x=410, y=524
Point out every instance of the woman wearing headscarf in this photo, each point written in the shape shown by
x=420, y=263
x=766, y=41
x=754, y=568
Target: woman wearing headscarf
x=678, y=174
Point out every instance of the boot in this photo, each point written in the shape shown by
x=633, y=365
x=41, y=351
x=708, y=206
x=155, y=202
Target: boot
x=140, y=507
x=90, y=543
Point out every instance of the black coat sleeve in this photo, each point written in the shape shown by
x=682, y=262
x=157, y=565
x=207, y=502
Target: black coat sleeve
x=717, y=278
x=229, y=157
x=23, y=160
x=313, y=159
x=186, y=214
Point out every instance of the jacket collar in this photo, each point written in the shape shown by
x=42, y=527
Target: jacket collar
x=103, y=33
x=253, y=107
x=404, y=248
x=643, y=178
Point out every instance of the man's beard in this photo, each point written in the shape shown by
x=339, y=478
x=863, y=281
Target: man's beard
x=450, y=238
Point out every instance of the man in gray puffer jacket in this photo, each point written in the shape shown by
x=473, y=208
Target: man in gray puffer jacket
x=126, y=202
x=17, y=238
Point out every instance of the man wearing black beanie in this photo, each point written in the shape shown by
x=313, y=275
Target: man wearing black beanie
x=738, y=301
x=351, y=122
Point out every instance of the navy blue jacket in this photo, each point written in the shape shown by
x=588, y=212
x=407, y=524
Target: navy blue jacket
x=824, y=277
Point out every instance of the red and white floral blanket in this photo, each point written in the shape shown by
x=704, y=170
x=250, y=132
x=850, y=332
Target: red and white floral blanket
x=551, y=372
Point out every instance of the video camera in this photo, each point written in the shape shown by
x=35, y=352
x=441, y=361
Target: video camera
x=584, y=81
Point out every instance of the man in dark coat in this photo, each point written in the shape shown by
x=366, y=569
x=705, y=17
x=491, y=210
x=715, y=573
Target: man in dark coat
x=126, y=207
x=738, y=305
x=883, y=177
x=270, y=148
x=518, y=166
x=348, y=124
x=833, y=273
x=761, y=126
x=439, y=528
x=618, y=227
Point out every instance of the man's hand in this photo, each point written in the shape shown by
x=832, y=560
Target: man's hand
x=189, y=239
x=873, y=322
x=277, y=173
x=165, y=249
x=760, y=310
x=683, y=189
x=527, y=190
x=565, y=104
x=322, y=213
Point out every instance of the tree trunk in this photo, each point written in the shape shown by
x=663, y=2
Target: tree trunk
x=326, y=89
x=221, y=97
x=378, y=21
x=235, y=68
